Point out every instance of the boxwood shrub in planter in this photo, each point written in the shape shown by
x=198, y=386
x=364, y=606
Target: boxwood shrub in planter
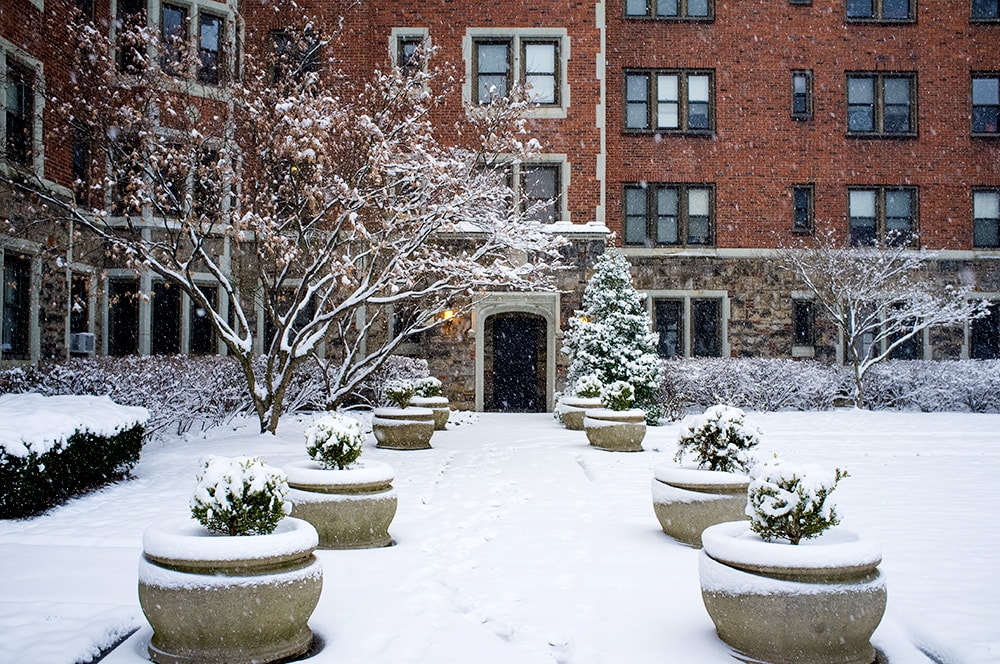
x=52, y=448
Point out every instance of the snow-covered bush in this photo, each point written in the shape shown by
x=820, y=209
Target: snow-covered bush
x=427, y=387
x=334, y=440
x=399, y=392
x=397, y=367
x=953, y=385
x=588, y=387
x=788, y=502
x=720, y=439
x=610, y=336
x=240, y=496
x=619, y=395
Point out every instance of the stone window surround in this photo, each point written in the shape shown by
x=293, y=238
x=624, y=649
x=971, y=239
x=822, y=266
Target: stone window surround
x=11, y=53
x=686, y=296
x=32, y=251
x=398, y=35
x=516, y=36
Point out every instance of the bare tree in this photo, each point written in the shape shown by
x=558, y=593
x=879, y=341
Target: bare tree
x=878, y=296
x=299, y=192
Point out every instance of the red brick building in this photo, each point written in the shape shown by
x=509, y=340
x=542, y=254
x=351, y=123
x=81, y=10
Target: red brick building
x=702, y=133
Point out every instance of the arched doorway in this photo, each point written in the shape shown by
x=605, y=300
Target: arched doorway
x=516, y=340
x=515, y=368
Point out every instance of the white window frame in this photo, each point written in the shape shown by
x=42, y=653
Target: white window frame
x=687, y=296
x=516, y=37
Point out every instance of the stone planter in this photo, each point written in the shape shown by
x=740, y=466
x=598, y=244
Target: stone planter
x=217, y=598
x=440, y=406
x=403, y=428
x=615, y=430
x=814, y=603
x=688, y=500
x=571, y=410
x=350, y=508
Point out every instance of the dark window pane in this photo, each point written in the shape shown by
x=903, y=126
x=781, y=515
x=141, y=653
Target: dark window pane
x=802, y=311
x=166, y=325
x=174, y=33
x=896, y=9
x=210, y=49
x=911, y=349
x=202, y=332
x=986, y=219
x=636, y=8
x=19, y=103
x=666, y=8
x=706, y=332
x=635, y=215
x=985, y=9
x=666, y=216
x=492, y=70
x=898, y=216
x=984, y=335
x=123, y=317
x=637, y=101
x=79, y=313
x=699, y=216
x=803, y=208
x=897, y=105
x=697, y=8
x=14, y=340
x=669, y=325
x=541, y=192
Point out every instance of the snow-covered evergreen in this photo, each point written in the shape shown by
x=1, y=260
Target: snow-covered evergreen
x=610, y=337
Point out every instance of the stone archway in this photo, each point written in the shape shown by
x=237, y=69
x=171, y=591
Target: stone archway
x=516, y=351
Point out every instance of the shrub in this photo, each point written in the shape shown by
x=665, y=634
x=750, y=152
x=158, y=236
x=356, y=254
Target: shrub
x=240, y=496
x=427, y=387
x=788, y=502
x=399, y=392
x=334, y=440
x=619, y=395
x=588, y=386
x=719, y=440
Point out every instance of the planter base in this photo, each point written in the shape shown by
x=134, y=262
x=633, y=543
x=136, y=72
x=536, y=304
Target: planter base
x=615, y=431
x=686, y=501
x=403, y=428
x=347, y=521
x=572, y=409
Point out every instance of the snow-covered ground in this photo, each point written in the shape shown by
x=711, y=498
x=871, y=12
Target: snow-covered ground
x=517, y=542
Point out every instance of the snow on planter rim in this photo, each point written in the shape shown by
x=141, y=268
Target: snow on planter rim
x=398, y=413
x=161, y=577
x=311, y=473
x=189, y=540
x=696, y=478
x=608, y=415
x=36, y=423
x=735, y=544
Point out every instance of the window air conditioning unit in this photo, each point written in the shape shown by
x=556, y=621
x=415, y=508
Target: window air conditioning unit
x=82, y=343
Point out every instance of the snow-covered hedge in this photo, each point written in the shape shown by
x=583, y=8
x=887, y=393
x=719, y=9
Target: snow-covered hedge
x=181, y=392
x=52, y=448
x=778, y=384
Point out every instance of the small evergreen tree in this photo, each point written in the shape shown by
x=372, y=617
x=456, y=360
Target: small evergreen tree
x=787, y=501
x=610, y=337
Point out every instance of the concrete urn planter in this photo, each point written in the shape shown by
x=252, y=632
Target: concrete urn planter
x=615, y=430
x=688, y=500
x=218, y=598
x=817, y=602
x=407, y=428
x=571, y=410
x=440, y=406
x=350, y=508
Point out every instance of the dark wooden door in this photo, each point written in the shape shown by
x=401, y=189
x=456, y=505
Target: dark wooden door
x=515, y=363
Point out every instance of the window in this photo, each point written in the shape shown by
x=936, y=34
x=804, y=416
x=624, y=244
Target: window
x=19, y=105
x=986, y=218
x=16, y=307
x=911, y=349
x=802, y=106
x=210, y=39
x=201, y=338
x=804, y=321
x=79, y=313
x=883, y=214
x=540, y=192
x=409, y=53
x=986, y=105
x=984, y=335
x=493, y=69
x=689, y=326
x=669, y=101
x=165, y=327
x=294, y=55
x=131, y=48
x=668, y=214
x=802, y=206
x=173, y=31
x=881, y=104
x=881, y=10
x=985, y=10
x=698, y=10
x=123, y=316
x=541, y=71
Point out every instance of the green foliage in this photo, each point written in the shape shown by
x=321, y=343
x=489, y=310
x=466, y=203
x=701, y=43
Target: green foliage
x=334, y=440
x=619, y=395
x=239, y=496
x=588, y=387
x=788, y=502
x=399, y=392
x=719, y=440
x=610, y=338
x=32, y=484
x=427, y=387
